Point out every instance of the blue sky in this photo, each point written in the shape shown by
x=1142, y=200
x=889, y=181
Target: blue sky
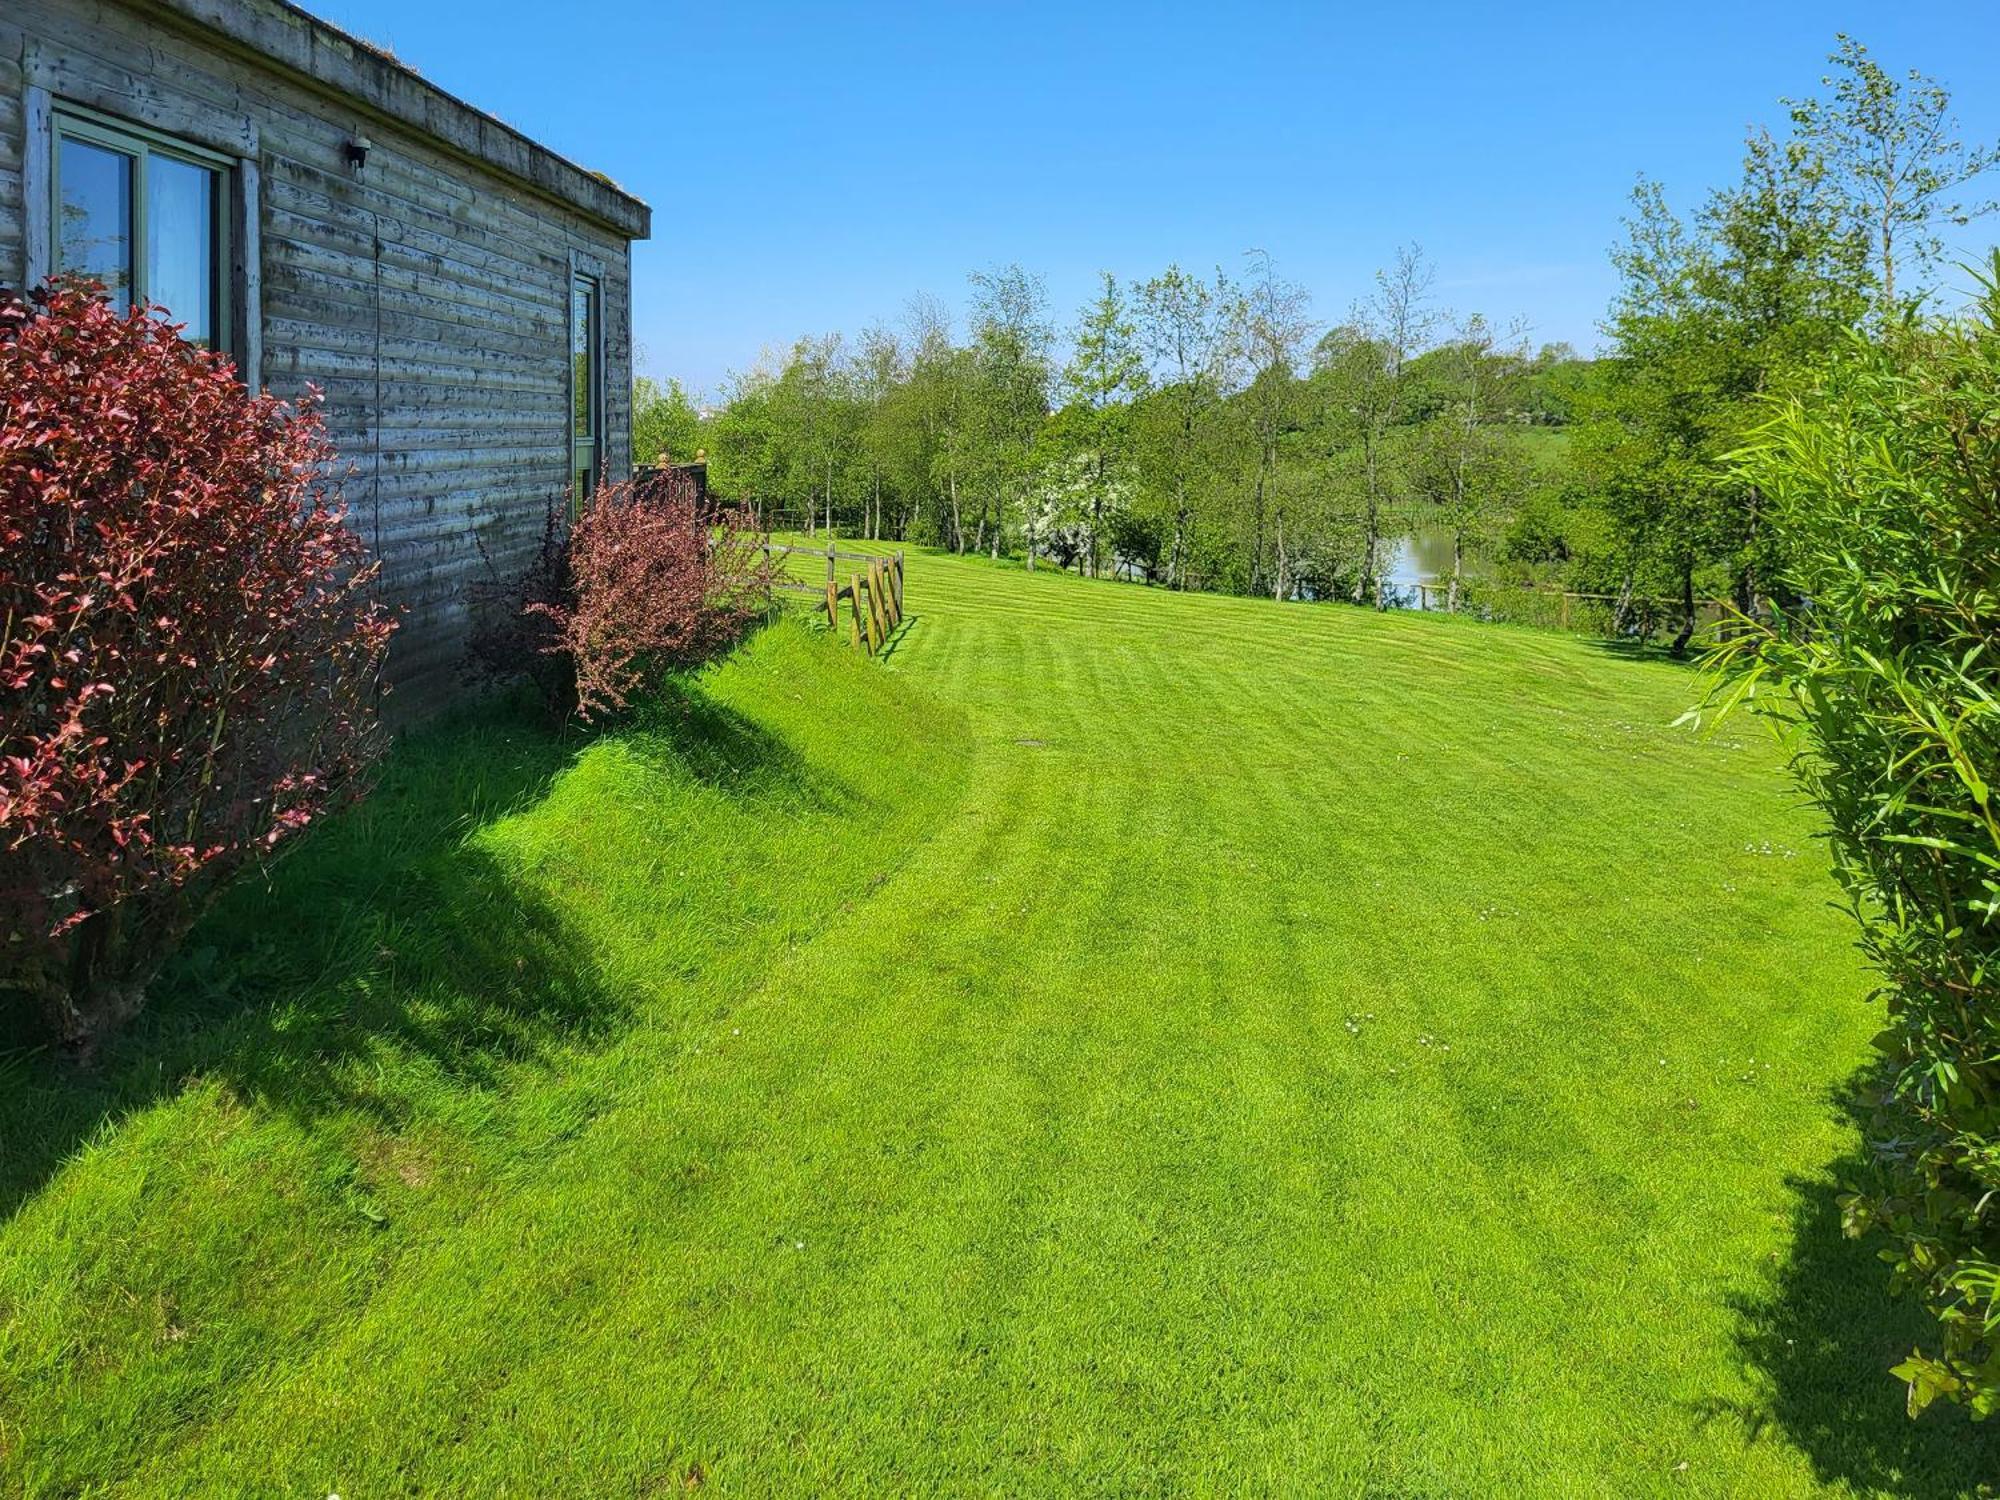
x=810, y=167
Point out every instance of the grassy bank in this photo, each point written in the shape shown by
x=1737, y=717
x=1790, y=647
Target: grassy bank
x=1117, y=1043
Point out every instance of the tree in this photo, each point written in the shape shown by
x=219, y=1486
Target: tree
x=1011, y=340
x=1069, y=504
x=1277, y=323
x=747, y=459
x=1468, y=467
x=666, y=427
x=878, y=370
x=1787, y=272
x=1553, y=378
x=1364, y=374
x=938, y=407
x=1105, y=375
x=816, y=399
x=1188, y=329
x=1713, y=315
x=1895, y=153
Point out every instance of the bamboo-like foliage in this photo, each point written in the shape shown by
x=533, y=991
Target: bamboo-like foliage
x=1886, y=485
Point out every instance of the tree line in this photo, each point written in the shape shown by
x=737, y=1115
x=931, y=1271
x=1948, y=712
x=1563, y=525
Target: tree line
x=1209, y=430
x=1199, y=431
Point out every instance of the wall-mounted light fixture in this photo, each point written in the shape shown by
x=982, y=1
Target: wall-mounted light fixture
x=356, y=151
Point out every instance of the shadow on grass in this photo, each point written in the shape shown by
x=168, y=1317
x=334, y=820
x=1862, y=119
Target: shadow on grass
x=685, y=732
x=341, y=953
x=1626, y=648
x=897, y=637
x=390, y=946
x=1825, y=1337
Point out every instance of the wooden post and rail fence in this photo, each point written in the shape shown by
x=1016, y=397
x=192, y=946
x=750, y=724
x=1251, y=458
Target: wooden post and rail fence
x=1566, y=601
x=874, y=594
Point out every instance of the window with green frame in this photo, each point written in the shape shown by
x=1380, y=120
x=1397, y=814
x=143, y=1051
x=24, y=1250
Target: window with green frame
x=586, y=363
x=146, y=215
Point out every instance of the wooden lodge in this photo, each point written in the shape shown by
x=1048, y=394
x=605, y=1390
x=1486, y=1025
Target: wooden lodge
x=461, y=294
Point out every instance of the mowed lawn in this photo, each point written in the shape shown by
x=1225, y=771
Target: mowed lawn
x=1117, y=1043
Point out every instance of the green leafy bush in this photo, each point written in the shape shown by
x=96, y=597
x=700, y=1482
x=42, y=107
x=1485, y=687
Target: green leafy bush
x=1885, y=482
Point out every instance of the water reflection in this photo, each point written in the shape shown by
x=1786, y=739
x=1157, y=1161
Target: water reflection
x=1419, y=558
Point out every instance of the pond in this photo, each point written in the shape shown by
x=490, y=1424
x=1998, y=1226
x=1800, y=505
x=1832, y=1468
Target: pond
x=1420, y=557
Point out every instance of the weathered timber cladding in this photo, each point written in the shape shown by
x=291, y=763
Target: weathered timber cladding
x=426, y=295
x=12, y=111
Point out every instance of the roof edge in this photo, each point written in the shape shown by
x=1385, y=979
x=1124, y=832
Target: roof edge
x=300, y=43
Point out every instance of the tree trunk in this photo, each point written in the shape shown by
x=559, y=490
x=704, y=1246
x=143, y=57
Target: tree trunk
x=1096, y=515
x=1889, y=260
x=92, y=1002
x=1746, y=579
x=1458, y=531
x=1680, y=645
x=1278, y=567
x=1364, y=582
x=957, y=521
x=1257, y=540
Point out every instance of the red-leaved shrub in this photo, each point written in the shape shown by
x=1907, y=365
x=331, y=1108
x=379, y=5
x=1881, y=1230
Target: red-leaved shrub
x=660, y=581
x=512, y=636
x=190, y=649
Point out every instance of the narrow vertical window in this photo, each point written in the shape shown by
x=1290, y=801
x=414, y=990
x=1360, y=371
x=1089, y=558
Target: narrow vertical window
x=586, y=359
x=182, y=212
x=144, y=215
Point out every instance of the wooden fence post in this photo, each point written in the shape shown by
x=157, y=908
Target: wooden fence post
x=854, y=598
x=877, y=619
x=889, y=598
x=832, y=606
x=829, y=560
x=898, y=585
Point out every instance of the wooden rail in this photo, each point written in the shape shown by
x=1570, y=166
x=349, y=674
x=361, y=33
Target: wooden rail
x=1565, y=599
x=874, y=595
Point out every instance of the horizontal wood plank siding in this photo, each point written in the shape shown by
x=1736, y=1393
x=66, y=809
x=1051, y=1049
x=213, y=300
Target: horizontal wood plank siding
x=13, y=127
x=426, y=296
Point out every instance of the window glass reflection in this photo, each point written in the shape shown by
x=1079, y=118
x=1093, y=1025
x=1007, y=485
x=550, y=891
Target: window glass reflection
x=582, y=342
x=180, y=243
x=95, y=237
